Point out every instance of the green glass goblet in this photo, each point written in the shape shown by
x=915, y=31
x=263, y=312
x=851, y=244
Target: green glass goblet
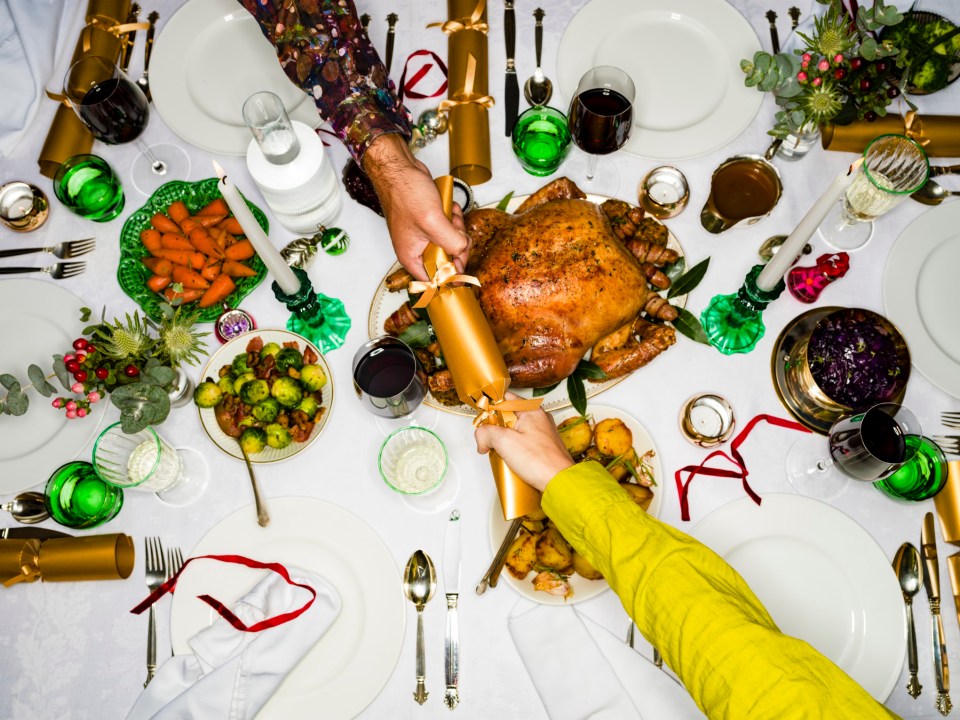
x=541, y=140
x=78, y=498
x=88, y=186
x=920, y=478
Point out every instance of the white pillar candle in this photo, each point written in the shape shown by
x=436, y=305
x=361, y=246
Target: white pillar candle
x=774, y=270
x=271, y=257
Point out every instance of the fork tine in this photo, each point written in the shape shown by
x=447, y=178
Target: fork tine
x=72, y=269
x=948, y=443
x=951, y=419
x=75, y=248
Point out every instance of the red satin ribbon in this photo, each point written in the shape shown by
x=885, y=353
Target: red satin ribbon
x=170, y=585
x=407, y=87
x=683, y=487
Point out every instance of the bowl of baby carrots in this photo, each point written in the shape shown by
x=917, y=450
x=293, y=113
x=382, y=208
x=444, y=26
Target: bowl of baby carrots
x=185, y=248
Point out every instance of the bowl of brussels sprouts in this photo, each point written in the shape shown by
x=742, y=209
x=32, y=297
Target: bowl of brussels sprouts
x=266, y=392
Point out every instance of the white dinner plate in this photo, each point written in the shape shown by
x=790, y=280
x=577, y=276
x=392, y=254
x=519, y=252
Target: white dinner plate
x=224, y=356
x=684, y=58
x=918, y=295
x=38, y=320
x=821, y=577
x=208, y=59
x=385, y=303
x=353, y=661
x=583, y=589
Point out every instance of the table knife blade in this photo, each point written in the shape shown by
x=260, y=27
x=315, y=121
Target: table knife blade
x=391, y=36
x=128, y=40
x=451, y=585
x=31, y=533
x=931, y=585
x=511, y=88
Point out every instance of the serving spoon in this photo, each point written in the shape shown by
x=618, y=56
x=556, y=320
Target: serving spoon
x=932, y=193
x=909, y=571
x=28, y=508
x=419, y=585
x=230, y=429
x=538, y=89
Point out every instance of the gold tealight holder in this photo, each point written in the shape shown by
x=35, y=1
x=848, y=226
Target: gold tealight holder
x=664, y=192
x=707, y=420
x=23, y=207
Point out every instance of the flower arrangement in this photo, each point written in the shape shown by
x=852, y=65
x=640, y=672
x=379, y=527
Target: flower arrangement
x=132, y=360
x=842, y=73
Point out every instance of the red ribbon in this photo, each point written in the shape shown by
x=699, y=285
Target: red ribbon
x=683, y=487
x=407, y=88
x=170, y=585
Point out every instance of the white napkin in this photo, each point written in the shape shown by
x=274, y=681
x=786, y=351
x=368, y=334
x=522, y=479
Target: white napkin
x=35, y=35
x=563, y=650
x=233, y=673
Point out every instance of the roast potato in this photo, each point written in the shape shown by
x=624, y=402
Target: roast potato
x=582, y=567
x=522, y=555
x=612, y=437
x=640, y=494
x=576, y=435
x=619, y=470
x=553, y=551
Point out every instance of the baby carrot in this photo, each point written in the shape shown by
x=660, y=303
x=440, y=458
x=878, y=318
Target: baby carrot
x=237, y=269
x=164, y=224
x=189, y=278
x=218, y=291
x=157, y=282
x=175, y=241
x=232, y=225
x=150, y=239
x=242, y=250
x=178, y=211
x=158, y=266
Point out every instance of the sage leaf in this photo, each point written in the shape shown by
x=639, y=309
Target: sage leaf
x=578, y=396
x=39, y=381
x=60, y=369
x=16, y=403
x=540, y=392
x=689, y=280
x=505, y=203
x=688, y=324
x=589, y=370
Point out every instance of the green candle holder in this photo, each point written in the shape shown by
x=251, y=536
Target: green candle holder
x=734, y=323
x=320, y=319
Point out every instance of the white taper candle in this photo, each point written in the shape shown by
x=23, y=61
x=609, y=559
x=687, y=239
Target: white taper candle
x=774, y=270
x=271, y=257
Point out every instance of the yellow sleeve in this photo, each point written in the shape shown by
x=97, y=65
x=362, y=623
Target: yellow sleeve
x=697, y=610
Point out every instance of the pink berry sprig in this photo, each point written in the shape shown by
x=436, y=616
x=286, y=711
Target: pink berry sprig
x=77, y=407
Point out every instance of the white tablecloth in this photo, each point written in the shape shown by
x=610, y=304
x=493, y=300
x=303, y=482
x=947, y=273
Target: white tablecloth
x=74, y=650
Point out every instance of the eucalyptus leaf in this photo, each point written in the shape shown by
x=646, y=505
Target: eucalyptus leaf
x=417, y=335
x=159, y=375
x=577, y=394
x=16, y=402
x=503, y=204
x=689, y=280
x=9, y=382
x=769, y=82
x=763, y=61
x=688, y=324
x=5, y=408
x=540, y=392
x=746, y=66
x=39, y=381
x=675, y=269
x=868, y=48
x=90, y=329
x=60, y=369
x=140, y=405
x=589, y=370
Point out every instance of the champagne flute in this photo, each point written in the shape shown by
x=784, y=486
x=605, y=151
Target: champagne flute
x=894, y=166
x=866, y=446
x=600, y=118
x=115, y=111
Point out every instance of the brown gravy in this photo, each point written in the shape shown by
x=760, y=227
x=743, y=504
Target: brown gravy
x=744, y=189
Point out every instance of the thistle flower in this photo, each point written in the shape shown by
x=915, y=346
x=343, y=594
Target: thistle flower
x=179, y=340
x=120, y=341
x=822, y=103
x=832, y=33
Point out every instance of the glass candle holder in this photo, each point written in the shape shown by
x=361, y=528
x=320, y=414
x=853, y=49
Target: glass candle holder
x=23, y=207
x=663, y=192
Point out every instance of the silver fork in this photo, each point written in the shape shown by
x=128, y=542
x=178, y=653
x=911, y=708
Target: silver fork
x=64, y=250
x=950, y=419
x=156, y=574
x=174, y=563
x=60, y=271
x=950, y=444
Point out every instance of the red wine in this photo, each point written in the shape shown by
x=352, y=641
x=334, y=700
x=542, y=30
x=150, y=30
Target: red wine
x=868, y=449
x=385, y=372
x=115, y=111
x=600, y=120
x=883, y=437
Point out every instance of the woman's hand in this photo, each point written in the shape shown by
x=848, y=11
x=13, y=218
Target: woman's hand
x=532, y=448
x=412, y=205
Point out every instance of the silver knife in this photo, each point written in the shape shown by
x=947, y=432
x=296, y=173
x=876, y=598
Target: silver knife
x=931, y=584
x=511, y=89
x=391, y=36
x=127, y=50
x=451, y=584
x=31, y=533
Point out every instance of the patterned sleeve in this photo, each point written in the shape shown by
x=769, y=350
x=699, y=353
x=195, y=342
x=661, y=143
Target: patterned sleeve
x=323, y=49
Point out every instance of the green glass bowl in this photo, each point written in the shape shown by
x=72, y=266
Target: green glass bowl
x=133, y=274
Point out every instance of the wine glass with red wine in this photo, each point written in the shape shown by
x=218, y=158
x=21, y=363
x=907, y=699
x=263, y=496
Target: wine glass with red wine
x=388, y=379
x=600, y=118
x=115, y=111
x=866, y=446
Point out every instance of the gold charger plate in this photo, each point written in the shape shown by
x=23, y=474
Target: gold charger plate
x=385, y=303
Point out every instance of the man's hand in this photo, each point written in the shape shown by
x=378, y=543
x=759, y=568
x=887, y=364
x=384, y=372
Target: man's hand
x=412, y=205
x=532, y=448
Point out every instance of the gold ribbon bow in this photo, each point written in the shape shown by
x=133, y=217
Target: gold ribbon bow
x=505, y=409
x=19, y=561
x=467, y=96
x=446, y=273
x=913, y=128
x=110, y=25
x=468, y=23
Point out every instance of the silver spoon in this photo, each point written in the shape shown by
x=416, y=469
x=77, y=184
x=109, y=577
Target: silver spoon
x=538, y=89
x=419, y=585
x=909, y=571
x=932, y=194
x=28, y=508
x=226, y=424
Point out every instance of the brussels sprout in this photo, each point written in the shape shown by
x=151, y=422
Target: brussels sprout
x=242, y=380
x=246, y=421
x=253, y=440
x=287, y=391
x=288, y=358
x=267, y=410
x=309, y=406
x=277, y=436
x=240, y=364
x=207, y=394
x=269, y=349
x=312, y=377
x=254, y=391
x=226, y=385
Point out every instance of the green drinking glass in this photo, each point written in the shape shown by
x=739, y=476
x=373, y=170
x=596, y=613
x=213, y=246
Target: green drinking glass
x=89, y=187
x=78, y=498
x=920, y=478
x=541, y=140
